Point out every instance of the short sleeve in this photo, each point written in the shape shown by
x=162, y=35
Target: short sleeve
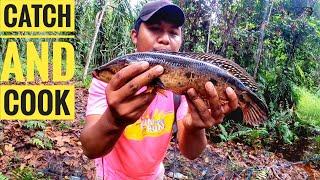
x=97, y=103
x=183, y=108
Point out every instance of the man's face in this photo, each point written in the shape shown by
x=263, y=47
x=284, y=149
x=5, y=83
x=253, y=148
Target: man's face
x=160, y=36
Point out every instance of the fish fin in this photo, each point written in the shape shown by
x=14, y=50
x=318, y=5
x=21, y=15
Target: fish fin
x=95, y=74
x=157, y=83
x=236, y=114
x=162, y=92
x=214, y=82
x=158, y=86
x=150, y=89
x=254, y=110
x=244, y=110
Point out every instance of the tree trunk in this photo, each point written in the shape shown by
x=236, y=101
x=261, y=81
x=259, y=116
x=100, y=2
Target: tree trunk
x=94, y=40
x=266, y=17
x=209, y=34
x=230, y=25
x=181, y=3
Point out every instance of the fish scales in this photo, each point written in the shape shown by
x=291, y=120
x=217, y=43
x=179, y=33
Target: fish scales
x=192, y=70
x=224, y=63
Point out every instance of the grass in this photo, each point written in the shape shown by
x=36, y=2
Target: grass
x=308, y=106
x=26, y=173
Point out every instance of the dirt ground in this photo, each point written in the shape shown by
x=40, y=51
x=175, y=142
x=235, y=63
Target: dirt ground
x=66, y=160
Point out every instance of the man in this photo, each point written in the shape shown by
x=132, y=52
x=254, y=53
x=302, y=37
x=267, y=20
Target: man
x=127, y=129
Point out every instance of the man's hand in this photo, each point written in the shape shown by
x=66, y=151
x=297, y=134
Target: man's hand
x=125, y=105
x=203, y=116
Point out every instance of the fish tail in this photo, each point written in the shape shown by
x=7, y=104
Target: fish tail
x=254, y=110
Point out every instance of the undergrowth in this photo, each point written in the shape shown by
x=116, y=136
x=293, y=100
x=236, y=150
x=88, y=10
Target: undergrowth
x=308, y=106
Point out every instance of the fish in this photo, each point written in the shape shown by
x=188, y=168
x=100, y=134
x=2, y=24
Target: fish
x=185, y=70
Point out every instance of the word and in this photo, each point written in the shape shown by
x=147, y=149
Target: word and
x=39, y=61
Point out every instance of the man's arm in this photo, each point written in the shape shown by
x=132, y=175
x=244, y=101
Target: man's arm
x=191, y=143
x=99, y=135
x=125, y=107
x=191, y=129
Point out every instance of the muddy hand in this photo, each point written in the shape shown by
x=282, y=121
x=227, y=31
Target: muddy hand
x=203, y=116
x=124, y=103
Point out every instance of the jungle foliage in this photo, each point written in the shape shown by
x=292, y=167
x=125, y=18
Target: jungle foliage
x=277, y=41
x=286, y=33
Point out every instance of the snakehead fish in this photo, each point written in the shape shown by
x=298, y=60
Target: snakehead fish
x=192, y=70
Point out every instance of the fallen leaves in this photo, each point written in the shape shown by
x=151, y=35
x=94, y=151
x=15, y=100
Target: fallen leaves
x=8, y=148
x=66, y=156
x=313, y=174
x=27, y=157
x=60, y=140
x=235, y=161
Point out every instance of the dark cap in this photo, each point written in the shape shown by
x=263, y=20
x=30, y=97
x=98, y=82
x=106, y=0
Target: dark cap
x=161, y=9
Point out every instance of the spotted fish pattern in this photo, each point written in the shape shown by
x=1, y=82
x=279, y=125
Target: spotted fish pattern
x=193, y=70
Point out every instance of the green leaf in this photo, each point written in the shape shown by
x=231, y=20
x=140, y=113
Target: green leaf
x=3, y=177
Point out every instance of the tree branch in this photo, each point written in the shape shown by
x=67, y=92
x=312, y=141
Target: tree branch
x=98, y=24
x=266, y=17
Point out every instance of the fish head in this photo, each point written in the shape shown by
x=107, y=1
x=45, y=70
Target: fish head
x=106, y=72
